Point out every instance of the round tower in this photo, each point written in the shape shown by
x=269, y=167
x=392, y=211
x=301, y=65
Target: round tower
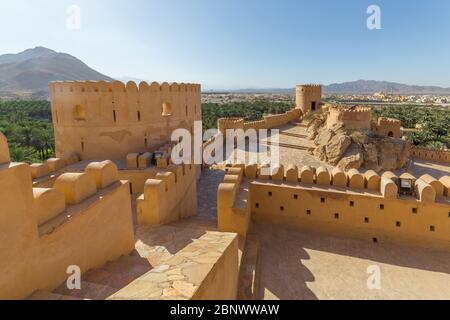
x=308, y=97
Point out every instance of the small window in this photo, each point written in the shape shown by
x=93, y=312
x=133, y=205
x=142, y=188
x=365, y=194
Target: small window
x=296, y=197
x=336, y=216
x=432, y=228
x=322, y=200
x=352, y=203
x=308, y=212
x=146, y=142
x=257, y=205
x=366, y=220
x=187, y=113
x=270, y=193
x=449, y=214
x=114, y=116
x=82, y=146
x=167, y=109
x=79, y=113
x=131, y=188
x=139, y=115
x=375, y=240
x=381, y=206
x=414, y=210
x=281, y=208
x=398, y=224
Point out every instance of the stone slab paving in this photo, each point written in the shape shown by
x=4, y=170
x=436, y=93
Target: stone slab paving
x=293, y=147
x=180, y=276
x=300, y=265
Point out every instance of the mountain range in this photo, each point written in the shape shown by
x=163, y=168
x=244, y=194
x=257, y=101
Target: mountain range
x=28, y=73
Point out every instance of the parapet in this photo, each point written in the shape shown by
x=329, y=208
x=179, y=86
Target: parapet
x=233, y=216
x=310, y=86
x=4, y=150
x=353, y=117
x=389, y=127
x=49, y=203
x=104, y=173
x=76, y=187
x=169, y=196
x=438, y=155
x=118, y=86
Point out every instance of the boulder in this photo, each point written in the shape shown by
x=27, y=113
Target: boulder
x=353, y=158
x=337, y=147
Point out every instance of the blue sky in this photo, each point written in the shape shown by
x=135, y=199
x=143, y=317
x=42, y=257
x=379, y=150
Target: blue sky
x=241, y=44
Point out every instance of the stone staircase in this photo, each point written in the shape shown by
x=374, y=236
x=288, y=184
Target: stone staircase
x=101, y=283
x=248, y=278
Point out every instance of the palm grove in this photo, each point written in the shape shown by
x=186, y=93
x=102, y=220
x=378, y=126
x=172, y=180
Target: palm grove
x=28, y=127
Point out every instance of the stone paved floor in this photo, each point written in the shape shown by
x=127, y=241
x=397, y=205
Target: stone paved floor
x=298, y=265
x=207, y=192
x=293, y=147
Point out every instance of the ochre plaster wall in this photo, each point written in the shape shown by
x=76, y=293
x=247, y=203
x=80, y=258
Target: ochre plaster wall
x=101, y=120
x=35, y=256
x=306, y=95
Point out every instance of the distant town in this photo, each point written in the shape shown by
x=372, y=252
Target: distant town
x=372, y=99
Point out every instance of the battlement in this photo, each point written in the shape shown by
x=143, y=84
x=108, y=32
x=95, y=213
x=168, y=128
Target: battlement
x=389, y=127
x=438, y=155
x=310, y=86
x=388, y=121
x=308, y=97
x=356, y=117
x=119, y=87
x=268, y=121
x=40, y=225
x=349, y=203
x=108, y=120
x=169, y=196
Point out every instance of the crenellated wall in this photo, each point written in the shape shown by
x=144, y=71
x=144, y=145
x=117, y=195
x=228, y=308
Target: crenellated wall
x=308, y=97
x=268, y=122
x=351, y=117
x=431, y=154
x=234, y=213
x=85, y=214
x=366, y=206
x=389, y=127
x=103, y=120
x=170, y=196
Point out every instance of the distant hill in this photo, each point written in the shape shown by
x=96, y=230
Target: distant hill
x=356, y=87
x=371, y=86
x=28, y=73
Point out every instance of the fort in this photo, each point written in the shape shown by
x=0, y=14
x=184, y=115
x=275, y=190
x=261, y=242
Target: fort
x=141, y=227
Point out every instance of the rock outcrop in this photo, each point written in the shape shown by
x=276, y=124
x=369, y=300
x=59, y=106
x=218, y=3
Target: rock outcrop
x=348, y=149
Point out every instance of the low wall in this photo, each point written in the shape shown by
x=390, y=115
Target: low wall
x=233, y=211
x=268, y=122
x=206, y=269
x=169, y=197
x=366, y=206
x=431, y=154
x=39, y=243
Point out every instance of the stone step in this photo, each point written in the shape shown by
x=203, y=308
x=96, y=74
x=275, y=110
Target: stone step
x=248, y=276
x=89, y=290
x=46, y=295
x=127, y=268
x=135, y=260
